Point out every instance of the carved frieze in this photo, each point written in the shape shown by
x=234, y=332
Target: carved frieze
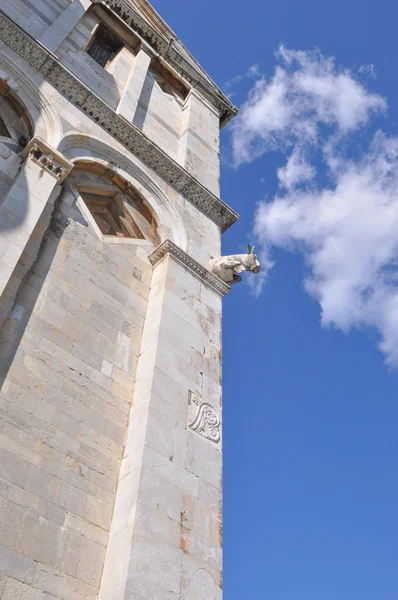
x=203, y=418
x=169, y=248
x=131, y=137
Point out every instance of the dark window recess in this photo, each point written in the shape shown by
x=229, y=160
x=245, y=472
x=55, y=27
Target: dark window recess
x=104, y=45
x=112, y=216
x=164, y=86
x=168, y=83
x=3, y=129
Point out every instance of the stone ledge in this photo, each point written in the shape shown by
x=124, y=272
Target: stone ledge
x=127, y=134
x=168, y=248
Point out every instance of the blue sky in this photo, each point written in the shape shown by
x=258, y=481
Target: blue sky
x=310, y=397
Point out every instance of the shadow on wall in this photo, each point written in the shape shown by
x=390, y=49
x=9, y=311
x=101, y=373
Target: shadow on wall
x=14, y=194
x=16, y=130
x=23, y=289
x=143, y=102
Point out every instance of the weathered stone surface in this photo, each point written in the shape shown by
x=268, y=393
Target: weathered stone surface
x=16, y=565
x=110, y=477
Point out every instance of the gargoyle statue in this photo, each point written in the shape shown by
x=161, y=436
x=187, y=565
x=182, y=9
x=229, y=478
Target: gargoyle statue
x=228, y=268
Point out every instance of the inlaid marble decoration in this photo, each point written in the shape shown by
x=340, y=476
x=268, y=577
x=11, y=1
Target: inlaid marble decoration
x=203, y=418
x=205, y=584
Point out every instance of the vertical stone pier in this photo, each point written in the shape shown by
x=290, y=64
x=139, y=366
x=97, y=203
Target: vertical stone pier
x=166, y=536
x=24, y=202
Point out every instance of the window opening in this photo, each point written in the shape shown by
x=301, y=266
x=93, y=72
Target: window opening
x=113, y=215
x=104, y=45
x=114, y=207
x=165, y=86
x=3, y=129
x=168, y=82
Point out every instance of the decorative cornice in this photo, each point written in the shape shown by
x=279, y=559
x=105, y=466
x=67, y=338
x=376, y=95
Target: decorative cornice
x=132, y=138
x=134, y=20
x=48, y=158
x=169, y=52
x=168, y=248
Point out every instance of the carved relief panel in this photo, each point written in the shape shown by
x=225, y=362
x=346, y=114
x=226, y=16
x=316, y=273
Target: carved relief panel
x=204, y=419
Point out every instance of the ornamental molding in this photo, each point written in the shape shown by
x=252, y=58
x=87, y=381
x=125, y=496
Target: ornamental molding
x=168, y=248
x=126, y=133
x=168, y=50
x=203, y=418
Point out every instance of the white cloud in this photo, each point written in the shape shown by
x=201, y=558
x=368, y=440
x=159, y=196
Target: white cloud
x=297, y=170
x=369, y=70
x=348, y=234
x=257, y=283
x=346, y=228
x=306, y=91
x=232, y=82
x=252, y=72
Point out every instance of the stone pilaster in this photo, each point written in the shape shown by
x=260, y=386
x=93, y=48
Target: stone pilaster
x=58, y=31
x=165, y=537
x=43, y=168
x=199, y=144
x=135, y=83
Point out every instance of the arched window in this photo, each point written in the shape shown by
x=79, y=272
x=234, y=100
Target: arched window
x=117, y=210
x=15, y=126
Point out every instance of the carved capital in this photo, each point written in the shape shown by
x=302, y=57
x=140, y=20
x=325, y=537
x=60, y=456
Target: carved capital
x=48, y=158
x=168, y=248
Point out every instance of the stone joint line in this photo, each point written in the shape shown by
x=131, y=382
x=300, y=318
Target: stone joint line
x=47, y=64
x=168, y=248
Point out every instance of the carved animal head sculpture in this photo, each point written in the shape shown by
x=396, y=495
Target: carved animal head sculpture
x=228, y=268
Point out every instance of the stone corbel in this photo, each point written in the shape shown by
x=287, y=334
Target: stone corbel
x=168, y=248
x=48, y=158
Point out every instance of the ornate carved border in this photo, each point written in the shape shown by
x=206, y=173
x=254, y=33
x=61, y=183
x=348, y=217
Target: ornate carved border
x=132, y=138
x=168, y=248
x=170, y=54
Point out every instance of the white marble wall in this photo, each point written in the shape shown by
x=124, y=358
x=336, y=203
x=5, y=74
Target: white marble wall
x=107, y=83
x=35, y=17
x=185, y=128
x=199, y=145
x=167, y=518
x=108, y=366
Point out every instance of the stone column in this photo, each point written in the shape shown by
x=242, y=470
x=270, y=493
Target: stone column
x=58, y=31
x=132, y=91
x=24, y=202
x=165, y=537
x=199, y=145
